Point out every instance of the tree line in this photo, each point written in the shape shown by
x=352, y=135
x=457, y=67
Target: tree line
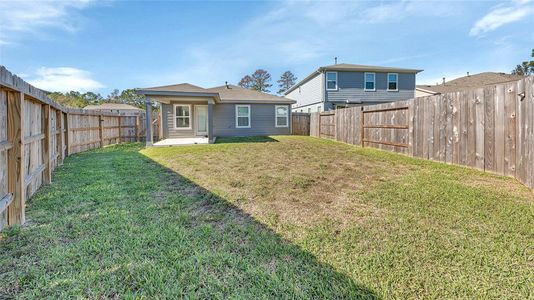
x=77, y=99
x=260, y=81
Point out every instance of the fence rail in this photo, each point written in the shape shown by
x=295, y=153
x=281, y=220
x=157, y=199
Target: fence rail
x=489, y=128
x=36, y=134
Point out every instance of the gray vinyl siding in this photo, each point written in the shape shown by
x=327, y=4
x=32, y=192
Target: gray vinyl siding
x=167, y=122
x=351, y=86
x=262, y=118
x=308, y=93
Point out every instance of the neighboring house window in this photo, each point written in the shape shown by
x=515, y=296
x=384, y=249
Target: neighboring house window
x=282, y=116
x=242, y=116
x=319, y=108
x=331, y=81
x=393, y=82
x=309, y=109
x=182, y=116
x=370, y=82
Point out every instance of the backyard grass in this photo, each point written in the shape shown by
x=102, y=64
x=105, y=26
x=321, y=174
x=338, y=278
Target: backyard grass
x=279, y=217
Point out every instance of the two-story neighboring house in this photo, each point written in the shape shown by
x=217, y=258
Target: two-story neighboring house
x=344, y=85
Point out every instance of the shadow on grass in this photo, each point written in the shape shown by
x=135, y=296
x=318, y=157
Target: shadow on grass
x=116, y=224
x=245, y=139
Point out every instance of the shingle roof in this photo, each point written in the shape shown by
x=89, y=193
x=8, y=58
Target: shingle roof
x=471, y=81
x=237, y=93
x=107, y=105
x=224, y=93
x=182, y=87
x=350, y=67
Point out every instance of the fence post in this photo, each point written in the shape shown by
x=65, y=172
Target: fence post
x=362, y=130
x=137, y=121
x=61, y=141
x=120, y=129
x=67, y=133
x=101, y=130
x=45, y=121
x=15, y=157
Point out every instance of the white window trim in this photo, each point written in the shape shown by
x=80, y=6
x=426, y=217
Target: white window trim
x=326, y=81
x=175, y=116
x=276, y=116
x=236, y=115
x=365, y=82
x=397, y=89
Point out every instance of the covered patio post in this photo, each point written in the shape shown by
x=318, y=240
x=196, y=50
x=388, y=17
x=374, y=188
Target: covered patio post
x=148, y=118
x=210, y=121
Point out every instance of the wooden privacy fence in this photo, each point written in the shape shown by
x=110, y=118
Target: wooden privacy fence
x=490, y=128
x=300, y=123
x=36, y=134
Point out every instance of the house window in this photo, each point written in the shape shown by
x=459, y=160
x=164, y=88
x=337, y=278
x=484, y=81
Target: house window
x=282, y=116
x=331, y=81
x=370, y=82
x=242, y=116
x=393, y=79
x=182, y=116
x=309, y=109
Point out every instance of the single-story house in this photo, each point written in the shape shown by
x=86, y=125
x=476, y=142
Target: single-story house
x=465, y=82
x=192, y=114
x=115, y=108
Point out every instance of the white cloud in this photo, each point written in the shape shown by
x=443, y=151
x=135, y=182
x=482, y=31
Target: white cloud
x=502, y=15
x=34, y=16
x=396, y=11
x=292, y=34
x=64, y=79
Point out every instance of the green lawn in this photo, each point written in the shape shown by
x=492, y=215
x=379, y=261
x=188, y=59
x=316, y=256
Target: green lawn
x=280, y=217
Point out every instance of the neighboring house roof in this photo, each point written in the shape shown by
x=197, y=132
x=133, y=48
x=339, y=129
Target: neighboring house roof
x=348, y=68
x=224, y=93
x=116, y=106
x=470, y=81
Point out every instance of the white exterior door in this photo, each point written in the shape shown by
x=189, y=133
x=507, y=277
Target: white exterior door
x=201, y=119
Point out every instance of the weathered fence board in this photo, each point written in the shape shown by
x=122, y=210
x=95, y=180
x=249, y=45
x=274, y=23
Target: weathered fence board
x=490, y=128
x=300, y=123
x=36, y=134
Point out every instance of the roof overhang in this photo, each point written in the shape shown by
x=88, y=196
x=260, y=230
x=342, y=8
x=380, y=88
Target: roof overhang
x=427, y=91
x=259, y=101
x=369, y=69
x=215, y=96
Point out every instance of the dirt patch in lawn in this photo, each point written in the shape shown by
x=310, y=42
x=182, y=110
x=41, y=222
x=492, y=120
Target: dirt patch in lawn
x=293, y=182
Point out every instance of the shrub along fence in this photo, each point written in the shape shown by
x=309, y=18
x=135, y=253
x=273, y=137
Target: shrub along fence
x=36, y=134
x=490, y=128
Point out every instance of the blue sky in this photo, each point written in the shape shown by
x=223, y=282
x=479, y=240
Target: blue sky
x=98, y=46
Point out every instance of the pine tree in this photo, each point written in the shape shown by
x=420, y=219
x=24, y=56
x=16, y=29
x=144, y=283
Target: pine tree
x=286, y=81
